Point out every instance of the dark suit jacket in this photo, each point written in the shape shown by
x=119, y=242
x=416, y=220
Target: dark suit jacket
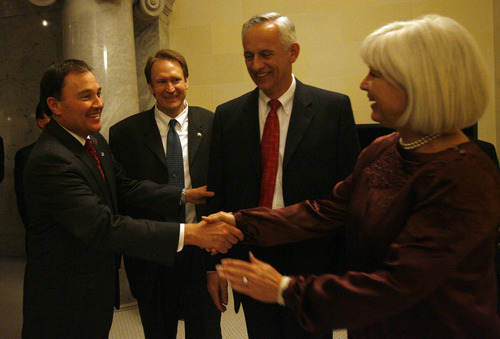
x=2, y=156
x=489, y=149
x=137, y=145
x=19, y=163
x=70, y=283
x=321, y=149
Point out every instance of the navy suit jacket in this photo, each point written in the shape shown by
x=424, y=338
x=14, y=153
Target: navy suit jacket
x=321, y=149
x=75, y=234
x=136, y=144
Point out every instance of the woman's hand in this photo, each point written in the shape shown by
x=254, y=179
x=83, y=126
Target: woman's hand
x=256, y=278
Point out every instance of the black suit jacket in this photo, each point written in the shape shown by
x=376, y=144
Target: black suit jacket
x=70, y=283
x=321, y=149
x=137, y=145
x=19, y=163
x=2, y=156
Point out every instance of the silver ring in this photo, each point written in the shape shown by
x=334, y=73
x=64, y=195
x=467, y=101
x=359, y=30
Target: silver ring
x=245, y=280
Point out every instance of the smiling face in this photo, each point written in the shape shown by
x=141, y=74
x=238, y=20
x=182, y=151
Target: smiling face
x=268, y=63
x=168, y=85
x=80, y=106
x=389, y=101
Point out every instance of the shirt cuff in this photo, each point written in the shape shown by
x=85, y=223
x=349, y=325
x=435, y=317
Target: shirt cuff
x=180, y=245
x=285, y=281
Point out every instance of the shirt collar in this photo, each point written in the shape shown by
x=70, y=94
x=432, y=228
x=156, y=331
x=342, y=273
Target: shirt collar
x=286, y=99
x=76, y=136
x=162, y=119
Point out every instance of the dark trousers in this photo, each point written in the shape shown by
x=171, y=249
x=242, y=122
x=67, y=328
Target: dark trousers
x=171, y=302
x=274, y=321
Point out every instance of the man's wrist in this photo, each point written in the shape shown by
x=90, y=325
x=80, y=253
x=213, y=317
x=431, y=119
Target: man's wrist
x=183, y=196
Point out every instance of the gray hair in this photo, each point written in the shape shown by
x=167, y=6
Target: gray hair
x=284, y=24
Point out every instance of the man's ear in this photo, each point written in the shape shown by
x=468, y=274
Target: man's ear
x=54, y=105
x=294, y=52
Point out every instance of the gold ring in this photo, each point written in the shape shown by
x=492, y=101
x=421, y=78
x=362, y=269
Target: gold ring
x=245, y=280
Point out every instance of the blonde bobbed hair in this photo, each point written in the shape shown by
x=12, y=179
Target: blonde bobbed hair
x=437, y=62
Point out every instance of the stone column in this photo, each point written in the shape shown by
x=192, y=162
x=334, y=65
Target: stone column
x=102, y=34
x=151, y=34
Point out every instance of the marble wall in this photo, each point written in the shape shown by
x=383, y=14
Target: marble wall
x=27, y=48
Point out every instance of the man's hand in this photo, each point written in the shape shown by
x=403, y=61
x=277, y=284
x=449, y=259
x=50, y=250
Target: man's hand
x=198, y=195
x=226, y=217
x=217, y=236
x=218, y=290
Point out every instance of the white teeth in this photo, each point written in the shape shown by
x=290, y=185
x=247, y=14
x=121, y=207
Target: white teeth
x=260, y=75
x=94, y=115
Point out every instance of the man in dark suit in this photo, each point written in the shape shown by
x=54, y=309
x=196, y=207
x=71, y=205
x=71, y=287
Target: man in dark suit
x=20, y=162
x=140, y=142
x=72, y=188
x=2, y=156
x=318, y=146
x=490, y=150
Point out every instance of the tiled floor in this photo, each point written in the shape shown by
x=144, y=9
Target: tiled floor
x=126, y=322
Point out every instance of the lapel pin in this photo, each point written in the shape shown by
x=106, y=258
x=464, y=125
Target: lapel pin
x=102, y=154
x=199, y=134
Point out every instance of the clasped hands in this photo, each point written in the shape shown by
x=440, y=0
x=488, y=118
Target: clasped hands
x=214, y=235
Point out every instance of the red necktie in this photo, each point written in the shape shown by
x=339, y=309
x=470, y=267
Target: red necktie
x=269, y=149
x=89, y=145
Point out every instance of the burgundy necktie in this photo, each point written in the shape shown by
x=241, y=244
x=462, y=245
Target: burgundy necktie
x=269, y=149
x=89, y=145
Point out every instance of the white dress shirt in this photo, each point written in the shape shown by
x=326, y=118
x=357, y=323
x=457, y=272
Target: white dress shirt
x=162, y=121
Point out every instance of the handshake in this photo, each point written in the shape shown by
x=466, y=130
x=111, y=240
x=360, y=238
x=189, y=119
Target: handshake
x=216, y=233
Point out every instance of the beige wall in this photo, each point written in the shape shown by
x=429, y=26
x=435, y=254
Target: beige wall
x=329, y=32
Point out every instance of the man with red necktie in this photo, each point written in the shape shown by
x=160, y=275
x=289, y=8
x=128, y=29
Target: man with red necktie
x=280, y=144
x=74, y=230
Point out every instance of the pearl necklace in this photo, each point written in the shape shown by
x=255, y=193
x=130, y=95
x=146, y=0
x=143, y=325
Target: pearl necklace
x=417, y=143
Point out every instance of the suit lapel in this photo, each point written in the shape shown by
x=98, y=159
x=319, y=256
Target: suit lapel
x=197, y=131
x=250, y=129
x=152, y=138
x=84, y=156
x=107, y=168
x=302, y=114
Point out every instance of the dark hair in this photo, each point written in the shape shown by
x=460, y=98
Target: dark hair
x=39, y=112
x=52, y=81
x=165, y=54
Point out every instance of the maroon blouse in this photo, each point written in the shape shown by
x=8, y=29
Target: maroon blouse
x=419, y=234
